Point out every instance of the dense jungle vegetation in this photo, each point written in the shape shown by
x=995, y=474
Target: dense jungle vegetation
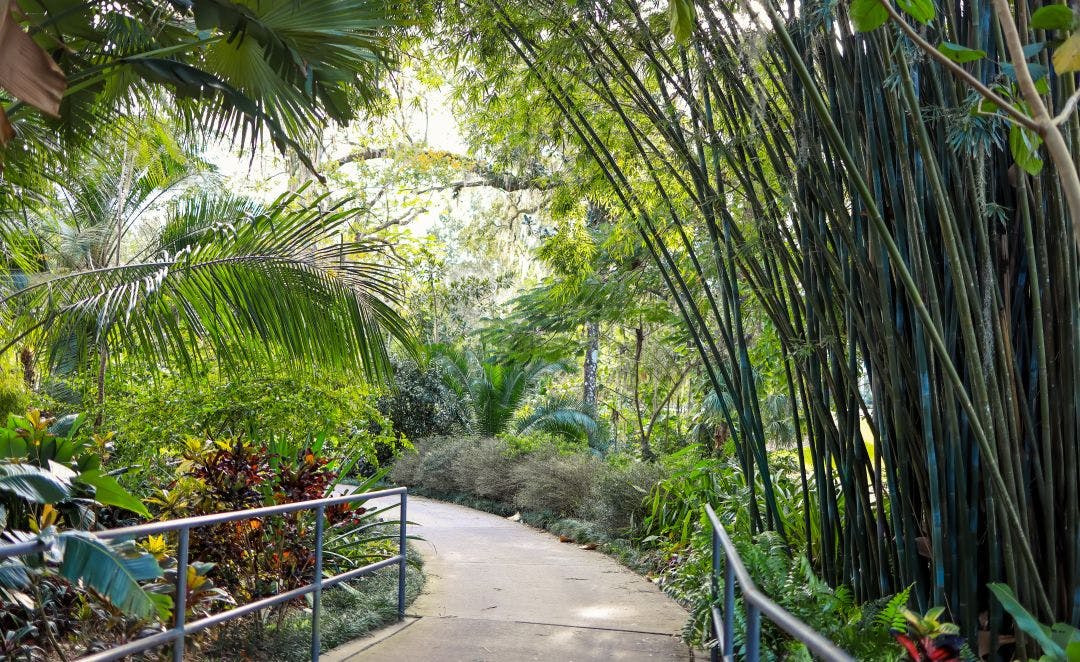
x=599, y=263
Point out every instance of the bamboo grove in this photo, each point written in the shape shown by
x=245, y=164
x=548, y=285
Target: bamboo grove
x=916, y=277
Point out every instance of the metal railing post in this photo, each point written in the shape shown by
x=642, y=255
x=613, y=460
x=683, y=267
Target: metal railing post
x=753, y=633
x=180, y=617
x=729, y=608
x=176, y=635
x=316, y=595
x=757, y=604
x=714, y=594
x=401, y=564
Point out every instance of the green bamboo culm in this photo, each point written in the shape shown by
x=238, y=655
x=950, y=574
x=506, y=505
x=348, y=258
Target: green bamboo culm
x=918, y=279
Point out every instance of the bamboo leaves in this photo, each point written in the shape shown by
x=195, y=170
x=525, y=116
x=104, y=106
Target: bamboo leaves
x=682, y=15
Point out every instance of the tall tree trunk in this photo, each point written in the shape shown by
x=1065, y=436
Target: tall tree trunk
x=639, y=344
x=103, y=364
x=26, y=360
x=592, y=364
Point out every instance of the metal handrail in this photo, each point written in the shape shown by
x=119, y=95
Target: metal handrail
x=756, y=603
x=181, y=628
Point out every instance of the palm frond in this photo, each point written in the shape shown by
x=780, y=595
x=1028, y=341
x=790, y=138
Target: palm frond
x=282, y=283
x=564, y=416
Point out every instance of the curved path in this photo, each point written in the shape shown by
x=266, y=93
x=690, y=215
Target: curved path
x=501, y=591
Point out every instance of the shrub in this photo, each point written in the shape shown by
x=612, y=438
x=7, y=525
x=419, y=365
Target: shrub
x=617, y=499
x=483, y=469
x=436, y=471
x=14, y=396
x=406, y=469
x=212, y=405
x=421, y=405
x=555, y=483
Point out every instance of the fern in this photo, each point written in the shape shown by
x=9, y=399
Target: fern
x=891, y=617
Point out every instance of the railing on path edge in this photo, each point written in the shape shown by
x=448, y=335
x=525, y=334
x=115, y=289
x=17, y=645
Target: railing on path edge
x=183, y=526
x=756, y=604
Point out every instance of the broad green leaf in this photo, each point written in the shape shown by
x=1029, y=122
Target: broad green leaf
x=1024, y=145
x=1067, y=56
x=921, y=10
x=868, y=15
x=1052, y=17
x=958, y=53
x=1072, y=652
x=32, y=483
x=987, y=106
x=164, y=605
x=12, y=445
x=109, y=492
x=90, y=561
x=1036, y=70
x=1024, y=620
x=683, y=15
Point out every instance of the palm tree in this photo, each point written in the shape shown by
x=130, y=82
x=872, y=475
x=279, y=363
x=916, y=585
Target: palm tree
x=224, y=69
x=233, y=68
x=495, y=392
x=228, y=279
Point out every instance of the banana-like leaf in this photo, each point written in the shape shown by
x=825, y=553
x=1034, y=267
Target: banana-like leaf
x=13, y=574
x=90, y=561
x=109, y=492
x=33, y=483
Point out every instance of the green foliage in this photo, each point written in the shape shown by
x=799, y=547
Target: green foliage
x=419, y=403
x=1024, y=146
x=534, y=473
x=1053, y=17
x=233, y=70
x=89, y=560
x=263, y=286
x=155, y=414
x=683, y=15
x=960, y=54
x=14, y=395
x=922, y=11
x=51, y=487
x=1060, y=642
x=868, y=15
x=495, y=392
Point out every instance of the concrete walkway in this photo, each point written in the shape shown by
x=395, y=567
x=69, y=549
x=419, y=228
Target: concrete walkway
x=501, y=591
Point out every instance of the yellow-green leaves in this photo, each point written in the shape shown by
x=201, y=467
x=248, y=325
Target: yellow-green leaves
x=960, y=54
x=921, y=10
x=1067, y=55
x=1024, y=145
x=868, y=15
x=683, y=14
x=1060, y=17
x=1052, y=17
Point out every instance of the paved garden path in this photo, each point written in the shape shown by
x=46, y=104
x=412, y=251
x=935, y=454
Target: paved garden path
x=500, y=591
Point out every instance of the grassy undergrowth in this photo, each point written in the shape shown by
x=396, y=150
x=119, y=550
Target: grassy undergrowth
x=349, y=612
